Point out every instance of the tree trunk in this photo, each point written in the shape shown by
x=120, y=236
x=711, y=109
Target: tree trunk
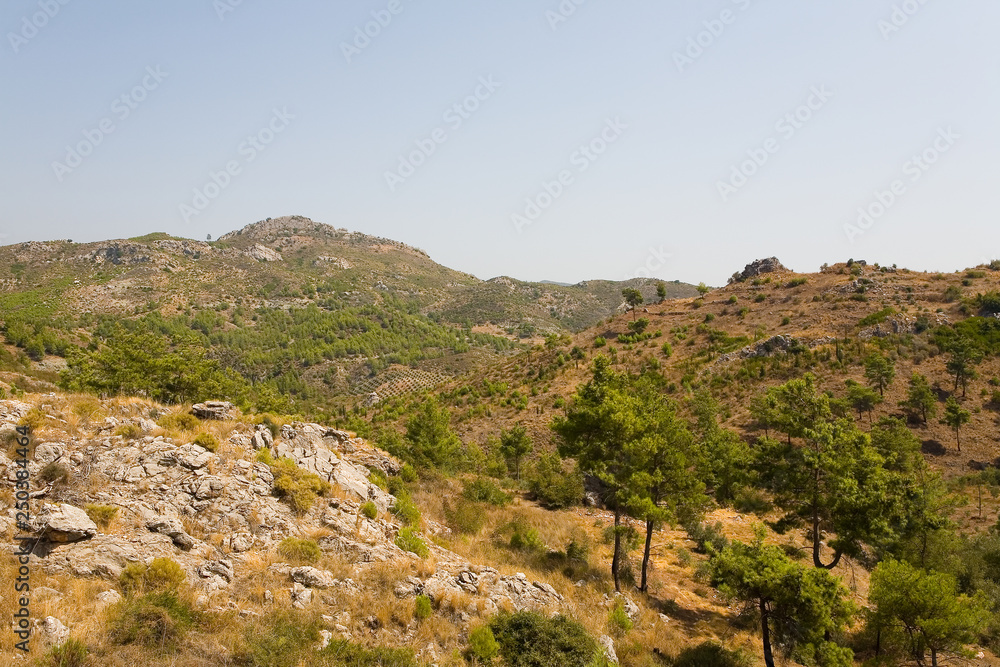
x=958, y=439
x=765, y=632
x=645, y=554
x=616, y=559
x=933, y=657
x=817, y=561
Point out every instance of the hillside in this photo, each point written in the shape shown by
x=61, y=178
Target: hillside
x=365, y=313
x=336, y=526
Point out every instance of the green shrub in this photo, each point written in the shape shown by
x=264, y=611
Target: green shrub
x=708, y=538
x=406, y=510
x=300, y=550
x=102, y=515
x=711, y=654
x=577, y=550
x=154, y=620
x=482, y=490
x=600, y=341
x=163, y=574
x=369, y=510
x=524, y=537
x=467, y=517
x=483, y=646
x=296, y=486
x=179, y=421
x=760, y=298
x=71, y=653
x=54, y=472
x=408, y=540
x=408, y=474
x=422, y=608
x=343, y=653
x=529, y=639
x=552, y=485
x=207, y=440
x=280, y=639
x=796, y=282
x=667, y=350
x=618, y=619
x=128, y=431
x=378, y=478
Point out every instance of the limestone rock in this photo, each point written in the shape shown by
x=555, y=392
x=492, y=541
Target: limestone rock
x=608, y=645
x=221, y=410
x=172, y=528
x=53, y=632
x=760, y=267
x=263, y=254
x=65, y=523
x=313, y=578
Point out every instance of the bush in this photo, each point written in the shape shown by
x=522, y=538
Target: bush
x=467, y=517
x=408, y=540
x=296, y=486
x=524, y=537
x=303, y=551
x=279, y=640
x=102, y=515
x=483, y=646
x=71, y=653
x=128, y=431
x=709, y=539
x=528, y=639
x=600, y=341
x=711, y=654
x=54, y=472
x=408, y=474
x=369, y=510
x=667, y=350
x=155, y=620
x=482, y=490
x=618, y=619
x=553, y=486
x=406, y=511
x=422, y=608
x=207, y=440
x=796, y=282
x=577, y=550
x=178, y=421
x=163, y=574
x=343, y=652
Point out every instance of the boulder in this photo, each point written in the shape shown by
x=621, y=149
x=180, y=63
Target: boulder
x=221, y=410
x=172, y=528
x=65, y=523
x=608, y=646
x=52, y=632
x=313, y=578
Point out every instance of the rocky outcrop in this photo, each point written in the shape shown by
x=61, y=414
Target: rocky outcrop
x=759, y=267
x=263, y=254
x=172, y=528
x=220, y=410
x=65, y=523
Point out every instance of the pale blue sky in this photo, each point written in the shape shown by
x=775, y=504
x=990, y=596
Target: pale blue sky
x=678, y=131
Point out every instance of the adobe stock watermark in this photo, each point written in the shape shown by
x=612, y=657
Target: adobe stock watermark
x=786, y=127
x=223, y=7
x=706, y=39
x=364, y=34
x=901, y=15
x=31, y=25
x=562, y=13
x=655, y=261
x=121, y=108
x=454, y=117
x=248, y=150
x=912, y=171
x=582, y=159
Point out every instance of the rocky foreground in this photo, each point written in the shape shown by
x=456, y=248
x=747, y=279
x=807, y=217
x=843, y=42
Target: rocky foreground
x=217, y=515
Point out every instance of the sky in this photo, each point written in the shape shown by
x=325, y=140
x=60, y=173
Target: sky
x=556, y=140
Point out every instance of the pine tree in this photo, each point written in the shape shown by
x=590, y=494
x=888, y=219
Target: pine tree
x=920, y=398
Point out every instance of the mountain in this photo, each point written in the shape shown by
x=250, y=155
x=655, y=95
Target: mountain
x=293, y=307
